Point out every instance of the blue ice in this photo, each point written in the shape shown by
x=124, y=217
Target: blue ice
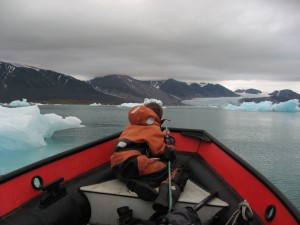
x=26, y=127
x=18, y=103
x=266, y=106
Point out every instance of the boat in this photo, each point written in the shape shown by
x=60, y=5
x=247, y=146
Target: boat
x=77, y=187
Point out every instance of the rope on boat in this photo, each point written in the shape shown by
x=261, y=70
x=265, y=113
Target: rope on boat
x=170, y=186
x=243, y=207
x=170, y=180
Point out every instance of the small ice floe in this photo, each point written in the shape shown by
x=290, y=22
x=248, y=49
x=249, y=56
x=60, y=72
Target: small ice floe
x=146, y=101
x=18, y=103
x=23, y=128
x=95, y=104
x=266, y=106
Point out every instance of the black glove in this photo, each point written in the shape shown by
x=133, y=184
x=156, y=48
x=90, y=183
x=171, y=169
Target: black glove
x=169, y=153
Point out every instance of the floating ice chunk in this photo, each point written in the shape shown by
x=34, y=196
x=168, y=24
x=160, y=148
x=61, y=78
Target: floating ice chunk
x=52, y=122
x=289, y=106
x=146, y=101
x=129, y=104
x=18, y=103
x=95, y=104
x=22, y=128
x=251, y=106
x=266, y=106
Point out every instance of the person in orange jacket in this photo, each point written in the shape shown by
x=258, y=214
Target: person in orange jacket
x=140, y=158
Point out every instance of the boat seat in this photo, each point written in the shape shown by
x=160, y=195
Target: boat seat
x=107, y=196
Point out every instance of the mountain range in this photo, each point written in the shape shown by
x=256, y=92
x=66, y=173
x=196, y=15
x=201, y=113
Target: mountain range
x=168, y=91
x=46, y=86
x=275, y=97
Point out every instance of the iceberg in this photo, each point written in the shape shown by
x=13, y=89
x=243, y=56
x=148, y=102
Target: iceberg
x=266, y=106
x=128, y=105
x=95, y=104
x=146, y=101
x=22, y=128
x=18, y=103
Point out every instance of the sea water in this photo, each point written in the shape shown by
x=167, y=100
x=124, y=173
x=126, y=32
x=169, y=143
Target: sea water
x=269, y=141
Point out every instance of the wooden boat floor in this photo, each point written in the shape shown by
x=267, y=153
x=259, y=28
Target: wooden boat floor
x=107, y=196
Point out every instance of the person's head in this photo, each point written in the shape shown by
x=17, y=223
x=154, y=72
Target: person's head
x=156, y=108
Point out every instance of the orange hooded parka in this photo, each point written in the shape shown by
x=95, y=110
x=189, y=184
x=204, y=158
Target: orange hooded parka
x=142, y=139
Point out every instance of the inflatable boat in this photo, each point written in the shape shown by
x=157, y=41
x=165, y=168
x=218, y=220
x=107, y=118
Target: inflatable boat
x=77, y=187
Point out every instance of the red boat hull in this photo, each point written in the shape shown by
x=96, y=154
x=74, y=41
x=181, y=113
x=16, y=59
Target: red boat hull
x=16, y=188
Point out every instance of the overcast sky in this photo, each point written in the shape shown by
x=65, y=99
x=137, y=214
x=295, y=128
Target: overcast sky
x=236, y=43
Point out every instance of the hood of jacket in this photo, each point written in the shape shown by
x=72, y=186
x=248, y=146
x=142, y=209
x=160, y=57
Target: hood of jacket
x=142, y=115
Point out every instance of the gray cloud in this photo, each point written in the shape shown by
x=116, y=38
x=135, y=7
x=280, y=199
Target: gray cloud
x=189, y=40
